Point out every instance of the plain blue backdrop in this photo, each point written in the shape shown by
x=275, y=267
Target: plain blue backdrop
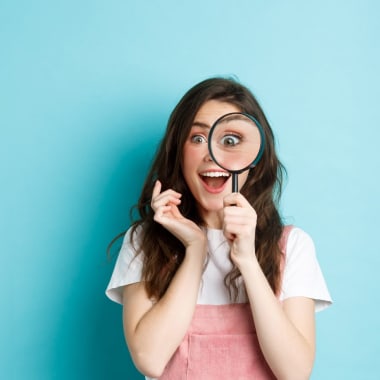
x=86, y=88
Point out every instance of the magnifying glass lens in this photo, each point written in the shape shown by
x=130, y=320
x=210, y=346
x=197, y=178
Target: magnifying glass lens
x=236, y=142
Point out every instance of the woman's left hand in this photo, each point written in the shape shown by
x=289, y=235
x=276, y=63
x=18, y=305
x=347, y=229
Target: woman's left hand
x=239, y=227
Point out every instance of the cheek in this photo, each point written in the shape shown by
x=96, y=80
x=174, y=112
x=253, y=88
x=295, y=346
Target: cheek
x=186, y=160
x=191, y=155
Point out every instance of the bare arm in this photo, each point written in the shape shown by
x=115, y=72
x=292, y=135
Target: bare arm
x=286, y=332
x=153, y=331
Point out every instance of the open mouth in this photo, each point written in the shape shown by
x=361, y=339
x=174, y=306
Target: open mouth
x=214, y=179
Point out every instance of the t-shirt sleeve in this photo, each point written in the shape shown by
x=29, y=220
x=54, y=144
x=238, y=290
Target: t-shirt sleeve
x=302, y=273
x=127, y=269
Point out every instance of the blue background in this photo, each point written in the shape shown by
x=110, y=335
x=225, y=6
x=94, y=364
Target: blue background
x=86, y=88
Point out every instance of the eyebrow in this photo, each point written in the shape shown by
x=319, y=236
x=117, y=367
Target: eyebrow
x=200, y=124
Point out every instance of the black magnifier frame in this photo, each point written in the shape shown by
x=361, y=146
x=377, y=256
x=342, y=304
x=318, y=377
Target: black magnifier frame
x=255, y=160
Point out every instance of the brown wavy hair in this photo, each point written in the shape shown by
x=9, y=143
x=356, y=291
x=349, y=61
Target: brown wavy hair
x=162, y=252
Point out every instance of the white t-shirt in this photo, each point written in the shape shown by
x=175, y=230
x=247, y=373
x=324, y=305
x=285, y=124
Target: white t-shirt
x=302, y=274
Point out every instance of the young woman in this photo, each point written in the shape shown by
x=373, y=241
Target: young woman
x=213, y=285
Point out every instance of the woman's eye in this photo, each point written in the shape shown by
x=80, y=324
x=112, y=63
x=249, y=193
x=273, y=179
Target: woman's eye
x=198, y=139
x=230, y=140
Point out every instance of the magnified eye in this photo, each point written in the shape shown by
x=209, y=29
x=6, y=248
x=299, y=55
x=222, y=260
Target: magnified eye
x=198, y=139
x=230, y=140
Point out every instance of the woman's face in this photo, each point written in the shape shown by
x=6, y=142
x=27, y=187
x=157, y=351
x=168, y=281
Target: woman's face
x=208, y=183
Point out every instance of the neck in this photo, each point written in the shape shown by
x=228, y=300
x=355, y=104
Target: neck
x=213, y=219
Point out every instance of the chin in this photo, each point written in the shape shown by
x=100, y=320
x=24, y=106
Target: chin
x=211, y=206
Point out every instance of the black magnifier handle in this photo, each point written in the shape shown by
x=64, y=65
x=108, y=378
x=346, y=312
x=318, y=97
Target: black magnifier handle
x=235, y=182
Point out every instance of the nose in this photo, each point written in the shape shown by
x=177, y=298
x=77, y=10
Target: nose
x=207, y=157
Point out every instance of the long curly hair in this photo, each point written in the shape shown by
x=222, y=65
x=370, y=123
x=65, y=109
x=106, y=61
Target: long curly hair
x=162, y=252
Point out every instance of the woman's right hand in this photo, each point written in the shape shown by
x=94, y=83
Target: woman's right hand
x=165, y=206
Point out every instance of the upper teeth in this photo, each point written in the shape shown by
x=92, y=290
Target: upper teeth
x=215, y=174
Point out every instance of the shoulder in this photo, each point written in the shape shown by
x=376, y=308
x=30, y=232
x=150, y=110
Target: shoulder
x=298, y=242
x=131, y=241
x=300, y=250
x=302, y=273
x=128, y=266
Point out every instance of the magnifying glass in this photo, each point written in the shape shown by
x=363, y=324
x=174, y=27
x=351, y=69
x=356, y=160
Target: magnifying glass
x=236, y=143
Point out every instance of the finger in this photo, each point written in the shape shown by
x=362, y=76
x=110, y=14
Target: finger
x=245, y=219
x=165, y=199
x=245, y=216
x=156, y=189
x=242, y=230
x=160, y=213
x=246, y=211
x=175, y=211
x=157, y=195
x=229, y=236
x=235, y=199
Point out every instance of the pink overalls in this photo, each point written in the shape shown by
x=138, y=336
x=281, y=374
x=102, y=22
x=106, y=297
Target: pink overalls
x=221, y=343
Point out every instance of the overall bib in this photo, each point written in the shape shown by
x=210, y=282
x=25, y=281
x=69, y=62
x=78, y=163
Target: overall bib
x=221, y=344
